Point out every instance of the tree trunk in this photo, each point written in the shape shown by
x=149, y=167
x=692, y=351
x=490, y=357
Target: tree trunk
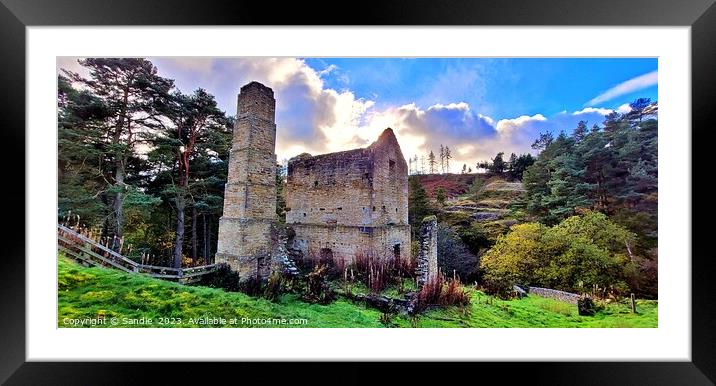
x=194, y=240
x=206, y=238
x=211, y=256
x=179, y=231
x=118, y=204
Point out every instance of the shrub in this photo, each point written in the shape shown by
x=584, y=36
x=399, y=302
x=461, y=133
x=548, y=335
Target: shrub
x=453, y=255
x=378, y=273
x=252, y=286
x=275, y=286
x=374, y=271
x=441, y=292
x=580, y=253
x=223, y=277
x=317, y=288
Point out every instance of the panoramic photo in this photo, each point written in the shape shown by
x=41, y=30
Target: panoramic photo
x=357, y=192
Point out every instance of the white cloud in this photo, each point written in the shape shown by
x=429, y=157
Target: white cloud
x=623, y=109
x=635, y=84
x=313, y=118
x=591, y=110
x=328, y=70
x=508, y=126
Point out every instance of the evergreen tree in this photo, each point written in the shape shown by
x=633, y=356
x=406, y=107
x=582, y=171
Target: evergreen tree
x=418, y=204
x=448, y=157
x=580, y=131
x=440, y=196
x=431, y=162
x=498, y=164
x=191, y=118
x=129, y=89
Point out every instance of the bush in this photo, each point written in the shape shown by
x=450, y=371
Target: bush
x=441, y=292
x=576, y=255
x=317, y=288
x=375, y=272
x=275, y=286
x=453, y=255
x=378, y=273
x=223, y=277
x=252, y=286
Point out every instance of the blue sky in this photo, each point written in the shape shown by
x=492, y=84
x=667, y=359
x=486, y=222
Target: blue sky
x=477, y=106
x=501, y=88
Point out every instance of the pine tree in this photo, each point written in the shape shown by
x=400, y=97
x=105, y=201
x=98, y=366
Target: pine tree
x=129, y=89
x=431, y=162
x=191, y=118
x=418, y=204
x=442, y=158
x=448, y=157
x=580, y=131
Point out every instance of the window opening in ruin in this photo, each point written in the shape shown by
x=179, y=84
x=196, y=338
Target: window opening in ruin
x=391, y=165
x=339, y=208
x=304, y=214
x=315, y=183
x=373, y=209
x=396, y=251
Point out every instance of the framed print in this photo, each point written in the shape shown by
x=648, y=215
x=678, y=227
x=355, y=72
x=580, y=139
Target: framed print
x=468, y=183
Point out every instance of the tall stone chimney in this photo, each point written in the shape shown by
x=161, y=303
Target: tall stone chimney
x=245, y=228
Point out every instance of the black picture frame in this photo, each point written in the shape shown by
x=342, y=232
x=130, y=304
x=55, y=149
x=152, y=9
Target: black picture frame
x=15, y=15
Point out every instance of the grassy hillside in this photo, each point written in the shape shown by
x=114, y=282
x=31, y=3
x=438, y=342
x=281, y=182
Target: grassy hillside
x=93, y=292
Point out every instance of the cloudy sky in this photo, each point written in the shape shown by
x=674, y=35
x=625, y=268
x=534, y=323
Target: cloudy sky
x=476, y=106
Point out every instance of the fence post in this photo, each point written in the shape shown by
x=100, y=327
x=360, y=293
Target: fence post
x=633, y=303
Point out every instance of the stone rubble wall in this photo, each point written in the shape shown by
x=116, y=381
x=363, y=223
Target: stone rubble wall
x=555, y=294
x=427, y=264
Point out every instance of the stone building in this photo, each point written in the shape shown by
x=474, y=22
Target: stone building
x=246, y=229
x=351, y=202
x=339, y=204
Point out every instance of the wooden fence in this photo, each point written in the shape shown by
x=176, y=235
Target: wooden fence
x=85, y=249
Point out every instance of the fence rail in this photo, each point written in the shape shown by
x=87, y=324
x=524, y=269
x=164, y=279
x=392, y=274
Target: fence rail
x=83, y=248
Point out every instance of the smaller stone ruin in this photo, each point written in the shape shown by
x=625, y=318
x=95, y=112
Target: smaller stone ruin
x=427, y=264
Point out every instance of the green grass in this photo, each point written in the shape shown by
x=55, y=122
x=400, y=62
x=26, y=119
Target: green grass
x=89, y=293
x=534, y=311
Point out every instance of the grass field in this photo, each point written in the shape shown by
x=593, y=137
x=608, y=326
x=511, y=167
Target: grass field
x=87, y=294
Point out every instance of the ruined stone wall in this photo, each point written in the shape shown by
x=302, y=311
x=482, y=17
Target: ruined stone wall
x=351, y=202
x=346, y=242
x=554, y=294
x=427, y=267
x=390, y=181
x=330, y=189
x=245, y=228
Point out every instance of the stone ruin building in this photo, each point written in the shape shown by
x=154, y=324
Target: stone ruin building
x=247, y=228
x=339, y=204
x=352, y=202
